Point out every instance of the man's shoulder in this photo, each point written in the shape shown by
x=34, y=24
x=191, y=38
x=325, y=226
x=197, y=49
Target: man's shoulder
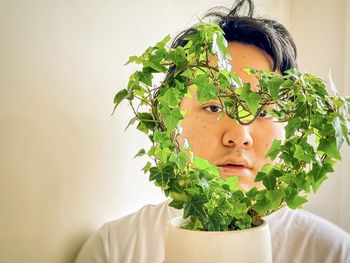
x=313, y=237
x=123, y=238
x=150, y=213
x=303, y=220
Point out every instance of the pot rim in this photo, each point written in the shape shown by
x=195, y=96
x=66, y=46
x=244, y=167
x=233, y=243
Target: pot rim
x=181, y=221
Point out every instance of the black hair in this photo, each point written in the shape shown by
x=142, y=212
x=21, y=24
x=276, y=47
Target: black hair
x=240, y=25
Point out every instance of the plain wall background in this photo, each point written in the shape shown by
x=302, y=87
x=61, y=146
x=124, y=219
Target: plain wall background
x=66, y=165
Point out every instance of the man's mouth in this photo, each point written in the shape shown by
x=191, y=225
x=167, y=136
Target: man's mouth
x=235, y=169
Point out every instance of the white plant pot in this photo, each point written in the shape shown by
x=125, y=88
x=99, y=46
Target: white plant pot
x=250, y=245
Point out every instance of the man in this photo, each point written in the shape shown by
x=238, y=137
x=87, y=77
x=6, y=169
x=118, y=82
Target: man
x=297, y=235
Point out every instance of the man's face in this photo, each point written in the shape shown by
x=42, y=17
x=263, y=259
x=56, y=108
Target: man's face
x=235, y=149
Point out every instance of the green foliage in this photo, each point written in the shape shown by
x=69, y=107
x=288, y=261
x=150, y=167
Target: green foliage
x=317, y=125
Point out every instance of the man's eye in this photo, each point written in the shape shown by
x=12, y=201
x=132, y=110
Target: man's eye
x=213, y=108
x=264, y=114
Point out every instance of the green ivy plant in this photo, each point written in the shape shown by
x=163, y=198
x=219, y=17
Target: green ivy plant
x=317, y=125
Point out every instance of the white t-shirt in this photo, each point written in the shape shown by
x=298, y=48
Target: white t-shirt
x=296, y=236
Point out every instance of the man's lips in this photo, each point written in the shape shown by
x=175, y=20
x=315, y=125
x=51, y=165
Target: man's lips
x=233, y=169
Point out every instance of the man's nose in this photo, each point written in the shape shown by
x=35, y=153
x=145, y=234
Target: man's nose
x=237, y=135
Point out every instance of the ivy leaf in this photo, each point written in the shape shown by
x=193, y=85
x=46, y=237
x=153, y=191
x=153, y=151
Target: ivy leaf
x=329, y=147
x=162, y=153
x=162, y=139
x=120, y=96
x=192, y=191
x=171, y=117
x=245, y=222
x=274, y=87
x=194, y=207
x=275, y=198
x=170, y=98
x=154, y=65
x=250, y=97
x=253, y=101
x=181, y=160
x=131, y=122
x=132, y=59
x=146, y=76
x=294, y=200
x=269, y=181
x=146, y=168
x=162, y=176
x=178, y=196
x=205, y=165
x=232, y=183
x=141, y=152
x=178, y=57
x=319, y=174
x=338, y=131
x=301, y=155
x=262, y=204
x=187, y=73
x=176, y=204
x=274, y=149
x=146, y=122
x=292, y=125
x=205, y=90
x=164, y=41
x=244, y=115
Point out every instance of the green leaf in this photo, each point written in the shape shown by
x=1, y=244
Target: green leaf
x=292, y=125
x=301, y=155
x=162, y=138
x=178, y=196
x=275, y=198
x=141, y=152
x=319, y=174
x=171, y=117
x=195, y=207
x=245, y=222
x=132, y=59
x=250, y=97
x=164, y=41
x=146, y=122
x=232, y=182
x=162, y=153
x=187, y=73
x=162, y=176
x=338, y=129
x=205, y=165
x=294, y=200
x=269, y=181
x=181, y=160
x=146, y=76
x=274, y=149
x=131, y=122
x=274, y=86
x=146, y=168
x=329, y=147
x=179, y=58
x=154, y=65
x=253, y=101
x=244, y=115
x=192, y=191
x=262, y=204
x=205, y=90
x=170, y=98
x=121, y=95
x=176, y=204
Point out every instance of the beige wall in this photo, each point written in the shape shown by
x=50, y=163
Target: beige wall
x=65, y=164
